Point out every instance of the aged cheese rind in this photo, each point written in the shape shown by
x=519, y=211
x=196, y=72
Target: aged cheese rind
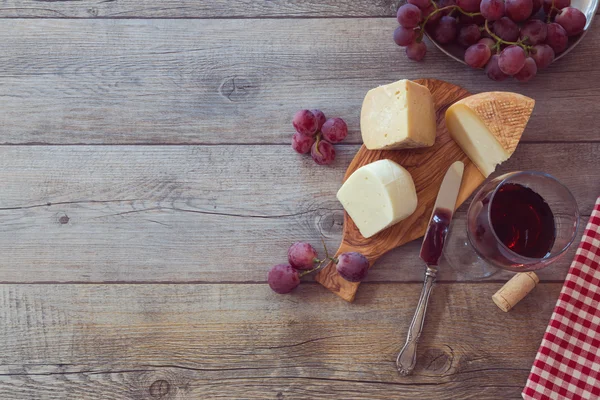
x=488, y=126
x=378, y=195
x=398, y=116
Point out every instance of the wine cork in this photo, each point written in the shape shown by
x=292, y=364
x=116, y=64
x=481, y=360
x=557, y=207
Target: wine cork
x=515, y=290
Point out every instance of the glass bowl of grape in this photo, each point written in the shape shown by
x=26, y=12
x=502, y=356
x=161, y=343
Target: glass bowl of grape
x=506, y=38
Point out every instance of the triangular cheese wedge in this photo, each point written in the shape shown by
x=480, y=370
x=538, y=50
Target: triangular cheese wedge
x=488, y=126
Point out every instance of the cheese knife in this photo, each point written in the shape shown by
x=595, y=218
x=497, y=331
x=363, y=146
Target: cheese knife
x=431, y=252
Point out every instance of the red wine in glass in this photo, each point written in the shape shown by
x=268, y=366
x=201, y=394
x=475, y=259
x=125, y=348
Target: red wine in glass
x=522, y=221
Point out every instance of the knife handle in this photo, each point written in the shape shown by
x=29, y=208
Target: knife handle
x=408, y=355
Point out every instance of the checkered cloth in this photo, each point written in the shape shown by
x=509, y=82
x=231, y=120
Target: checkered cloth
x=567, y=365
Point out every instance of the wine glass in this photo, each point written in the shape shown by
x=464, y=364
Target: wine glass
x=520, y=221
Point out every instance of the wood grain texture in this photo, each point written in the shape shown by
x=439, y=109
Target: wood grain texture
x=225, y=81
x=197, y=9
x=243, y=341
x=204, y=213
x=427, y=167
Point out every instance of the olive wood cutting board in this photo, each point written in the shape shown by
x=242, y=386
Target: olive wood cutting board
x=427, y=167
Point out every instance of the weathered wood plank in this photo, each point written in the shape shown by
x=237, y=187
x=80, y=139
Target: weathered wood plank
x=192, y=341
x=204, y=213
x=197, y=9
x=225, y=81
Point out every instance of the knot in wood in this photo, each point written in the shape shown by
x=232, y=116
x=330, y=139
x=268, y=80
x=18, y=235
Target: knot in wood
x=237, y=89
x=64, y=219
x=159, y=388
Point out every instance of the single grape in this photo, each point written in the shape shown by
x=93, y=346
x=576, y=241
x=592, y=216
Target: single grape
x=403, y=36
x=478, y=55
x=468, y=35
x=302, y=143
x=518, y=10
x=555, y=6
x=409, y=16
x=492, y=10
x=493, y=71
x=422, y=4
x=445, y=31
x=335, y=130
x=557, y=38
x=537, y=5
x=352, y=266
x=511, y=60
x=302, y=256
x=543, y=55
x=572, y=20
x=488, y=42
x=416, y=51
x=282, y=278
x=506, y=29
x=305, y=123
x=320, y=116
x=528, y=71
x=535, y=31
x=324, y=154
x=468, y=5
x=434, y=18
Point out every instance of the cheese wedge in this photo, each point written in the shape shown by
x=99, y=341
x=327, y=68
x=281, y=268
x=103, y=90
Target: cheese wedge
x=398, y=116
x=378, y=195
x=488, y=126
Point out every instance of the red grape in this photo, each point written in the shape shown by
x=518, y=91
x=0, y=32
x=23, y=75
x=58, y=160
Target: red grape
x=493, y=71
x=335, y=130
x=537, y=4
x=302, y=143
x=422, y=4
x=518, y=10
x=320, y=116
x=324, y=154
x=469, y=35
x=506, y=29
x=305, y=123
x=543, y=55
x=572, y=20
x=302, y=255
x=434, y=18
x=535, y=31
x=404, y=36
x=478, y=55
x=409, y=16
x=557, y=38
x=528, y=71
x=352, y=266
x=468, y=5
x=511, y=60
x=282, y=278
x=488, y=42
x=558, y=5
x=416, y=51
x=445, y=31
x=492, y=10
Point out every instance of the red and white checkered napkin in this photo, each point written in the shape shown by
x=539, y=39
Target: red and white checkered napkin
x=567, y=365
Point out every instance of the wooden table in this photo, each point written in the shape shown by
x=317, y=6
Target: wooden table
x=147, y=185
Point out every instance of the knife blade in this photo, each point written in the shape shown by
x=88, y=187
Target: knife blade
x=431, y=251
x=443, y=210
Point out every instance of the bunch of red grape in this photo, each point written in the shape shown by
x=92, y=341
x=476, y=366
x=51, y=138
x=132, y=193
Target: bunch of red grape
x=303, y=259
x=316, y=134
x=506, y=37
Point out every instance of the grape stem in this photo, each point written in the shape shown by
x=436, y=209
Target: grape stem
x=316, y=260
x=317, y=145
x=438, y=10
x=500, y=41
x=552, y=9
